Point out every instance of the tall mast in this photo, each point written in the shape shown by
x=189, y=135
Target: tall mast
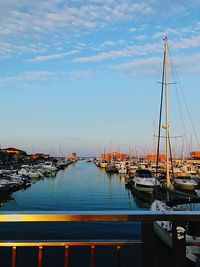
x=57, y=151
x=166, y=112
x=154, y=142
x=111, y=156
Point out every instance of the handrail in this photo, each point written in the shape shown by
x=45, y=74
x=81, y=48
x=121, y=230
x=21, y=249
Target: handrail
x=55, y=243
x=97, y=216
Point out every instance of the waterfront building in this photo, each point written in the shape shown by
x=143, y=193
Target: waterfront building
x=195, y=155
x=14, y=155
x=71, y=157
x=114, y=155
x=4, y=157
x=153, y=157
x=12, y=150
x=39, y=156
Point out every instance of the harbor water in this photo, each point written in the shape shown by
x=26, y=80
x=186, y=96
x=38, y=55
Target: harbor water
x=79, y=187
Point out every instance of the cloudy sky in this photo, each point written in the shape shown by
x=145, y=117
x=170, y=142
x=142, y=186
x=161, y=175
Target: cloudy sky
x=78, y=74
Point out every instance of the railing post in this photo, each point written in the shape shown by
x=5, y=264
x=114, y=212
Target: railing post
x=148, y=244
x=14, y=256
x=92, y=260
x=179, y=244
x=40, y=256
x=66, y=256
x=118, y=248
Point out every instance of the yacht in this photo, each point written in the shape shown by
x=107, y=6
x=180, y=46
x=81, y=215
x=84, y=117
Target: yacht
x=122, y=169
x=145, y=181
x=184, y=182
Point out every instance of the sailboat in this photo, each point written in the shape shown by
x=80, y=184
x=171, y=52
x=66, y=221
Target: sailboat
x=164, y=228
x=168, y=184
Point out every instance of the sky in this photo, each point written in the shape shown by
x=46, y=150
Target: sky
x=79, y=75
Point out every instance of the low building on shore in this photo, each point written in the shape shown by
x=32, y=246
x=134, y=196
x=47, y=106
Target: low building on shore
x=113, y=156
x=13, y=155
x=71, y=157
x=195, y=155
x=153, y=157
x=39, y=156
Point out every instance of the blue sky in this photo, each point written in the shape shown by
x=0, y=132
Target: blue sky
x=82, y=73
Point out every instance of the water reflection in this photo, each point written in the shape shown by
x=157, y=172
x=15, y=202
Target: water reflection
x=5, y=197
x=142, y=200
x=80, y=186
x=122, y=178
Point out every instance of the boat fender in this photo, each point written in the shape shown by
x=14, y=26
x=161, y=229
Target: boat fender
x=180, y=232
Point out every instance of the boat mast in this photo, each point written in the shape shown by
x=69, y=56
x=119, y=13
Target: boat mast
x=57, y=151
x=166, y=113
x=111, y=156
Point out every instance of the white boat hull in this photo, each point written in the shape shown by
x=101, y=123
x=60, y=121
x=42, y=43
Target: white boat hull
x=143, y=188
x=163, y=231
x=185, y=184
x=167, y=239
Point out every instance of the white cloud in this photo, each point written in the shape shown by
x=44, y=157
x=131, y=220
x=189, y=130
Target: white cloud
x=131, y=50
x=26, y=22
x=27, y=76
x=11, y=47
x=140, y=62
x=188, y=63
x=140, y=37
x=78, y=74
x=184, y=32
x=159, y=35
x=98, y=57
x=54, y=56
x=166, y=32
x=153, y=65
x=132, y=29
x=108, y=43
x=27, y=16
x=185, y=43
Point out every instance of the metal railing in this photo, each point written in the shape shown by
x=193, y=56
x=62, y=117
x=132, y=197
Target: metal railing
x=145, y=242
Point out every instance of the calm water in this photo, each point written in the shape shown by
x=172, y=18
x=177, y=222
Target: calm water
x=81, y=186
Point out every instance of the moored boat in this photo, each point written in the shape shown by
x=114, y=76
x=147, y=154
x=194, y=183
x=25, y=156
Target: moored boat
x=164, y=228
x=145, y=181
x=184, y=182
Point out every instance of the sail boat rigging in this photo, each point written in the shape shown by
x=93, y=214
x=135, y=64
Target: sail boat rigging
x=166, y=126
x=166, y=112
